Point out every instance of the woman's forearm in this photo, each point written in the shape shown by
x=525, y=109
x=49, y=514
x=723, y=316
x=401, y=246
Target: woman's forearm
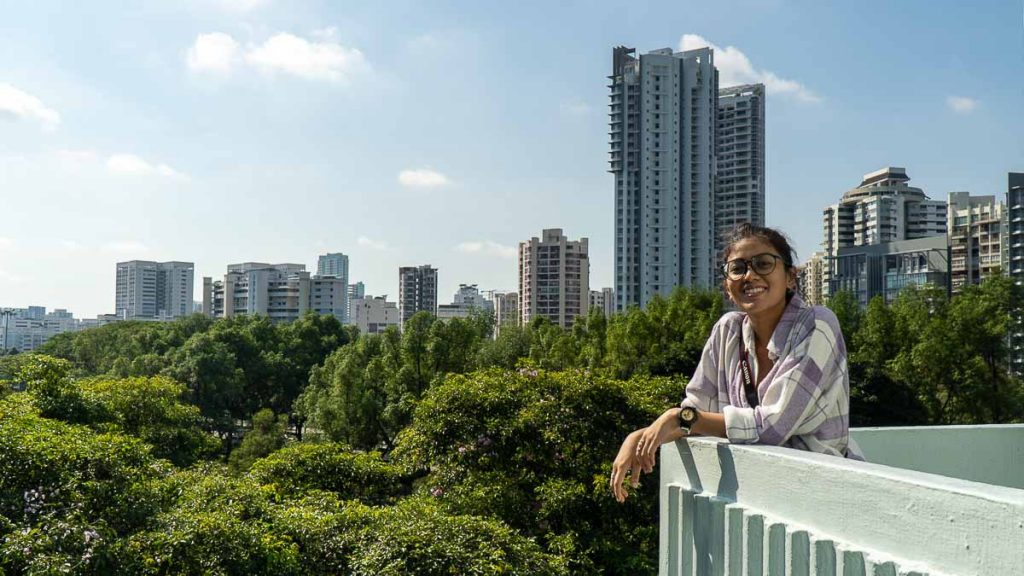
x=709, y=424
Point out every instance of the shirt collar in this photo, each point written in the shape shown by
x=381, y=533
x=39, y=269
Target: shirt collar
x=781, y=333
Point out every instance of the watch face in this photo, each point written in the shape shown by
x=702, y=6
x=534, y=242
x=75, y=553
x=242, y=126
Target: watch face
x=688, y=414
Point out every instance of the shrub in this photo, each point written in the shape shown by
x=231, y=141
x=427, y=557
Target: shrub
x=331, y=467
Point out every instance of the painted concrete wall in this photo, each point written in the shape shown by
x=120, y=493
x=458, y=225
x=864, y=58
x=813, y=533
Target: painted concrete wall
x=990, y=454
x=734, y=509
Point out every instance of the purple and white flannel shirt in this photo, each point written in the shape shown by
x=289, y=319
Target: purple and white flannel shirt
x=804, y=400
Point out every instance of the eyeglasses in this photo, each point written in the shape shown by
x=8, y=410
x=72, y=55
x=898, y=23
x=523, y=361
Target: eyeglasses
x=762, y=264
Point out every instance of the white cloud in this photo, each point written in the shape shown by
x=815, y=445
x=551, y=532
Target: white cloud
x=5, y=243
x=375, y=244
x=22, y=105
x=325, y=60
x=489, y=248
x=422, y=178
x=961, y=104
x=214, y=52
x=126, y=247
x=734, y=68
x=71, y=245
x=132, y=165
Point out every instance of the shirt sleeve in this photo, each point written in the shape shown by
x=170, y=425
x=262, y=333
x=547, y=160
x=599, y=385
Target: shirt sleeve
x=702, y=389
x=792, y=400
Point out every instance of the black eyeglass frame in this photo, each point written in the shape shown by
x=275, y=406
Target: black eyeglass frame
x=749, y=265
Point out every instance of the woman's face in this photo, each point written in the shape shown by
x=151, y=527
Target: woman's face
x=754, y=293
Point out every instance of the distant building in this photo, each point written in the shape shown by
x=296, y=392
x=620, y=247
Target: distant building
x=603, y=300
x=739, y=160
x=1015, y=263
x=25, y=329
x=417, y=291
x=554, y=278
x=467, y=300
x=506, y=310
x=356, y=291
x=147, y=290
x=374, y=315
x=811, y=279
x=336, y=265
x=663, y=113
x=977, y=234
x=885, y=269
x=883, y=208
x=282, y=292
x=333, y=264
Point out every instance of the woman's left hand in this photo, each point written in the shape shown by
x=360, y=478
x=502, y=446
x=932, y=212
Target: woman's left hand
x=664, y=429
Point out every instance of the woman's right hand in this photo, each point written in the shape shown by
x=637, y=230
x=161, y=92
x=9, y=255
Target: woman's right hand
x=625, y=462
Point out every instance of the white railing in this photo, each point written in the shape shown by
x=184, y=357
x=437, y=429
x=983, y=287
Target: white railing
x=729, y=509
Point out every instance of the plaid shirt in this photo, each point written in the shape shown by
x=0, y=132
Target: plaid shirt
x=804, y=400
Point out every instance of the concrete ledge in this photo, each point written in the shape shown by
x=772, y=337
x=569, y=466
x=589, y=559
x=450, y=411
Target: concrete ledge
x=915, y=521
x=993, y=454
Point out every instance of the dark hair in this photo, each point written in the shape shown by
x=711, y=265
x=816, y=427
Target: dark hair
x=772, y=236
x=777, y=239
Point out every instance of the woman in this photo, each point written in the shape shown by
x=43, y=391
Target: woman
x=773, y=372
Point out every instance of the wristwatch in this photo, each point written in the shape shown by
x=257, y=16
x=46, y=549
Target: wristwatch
x=687, y=418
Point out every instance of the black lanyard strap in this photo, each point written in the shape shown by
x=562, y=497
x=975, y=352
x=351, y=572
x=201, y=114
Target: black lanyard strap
x=749, y=388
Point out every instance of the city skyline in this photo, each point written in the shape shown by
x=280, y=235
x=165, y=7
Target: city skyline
x=481, y=123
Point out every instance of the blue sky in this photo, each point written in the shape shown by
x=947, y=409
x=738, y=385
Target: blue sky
x=401, y=133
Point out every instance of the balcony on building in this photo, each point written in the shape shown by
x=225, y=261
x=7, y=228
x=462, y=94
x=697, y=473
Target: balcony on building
x=931, y=501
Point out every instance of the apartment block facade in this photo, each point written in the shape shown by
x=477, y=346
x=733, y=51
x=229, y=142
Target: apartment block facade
x=603, y=300
x=883, y=208
x=554, y=278
x=147, y=290
x=467, y=301
x=739, y=160
x=506, y=310
x=1015, y=263
x=977, y=235
x=663, y=113
x=282, y=292
x=374, y=315
x=417, y=290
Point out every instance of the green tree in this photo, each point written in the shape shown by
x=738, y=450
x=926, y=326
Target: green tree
x=265, y=437
x=532, y=448
x=666, y=338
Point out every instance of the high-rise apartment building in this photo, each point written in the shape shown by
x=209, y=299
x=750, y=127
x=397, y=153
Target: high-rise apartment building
x=811, y=279
x=554, y=278
x=336, y=265
x=1015, y=263
x=663, y=113
x=332, y=264
x=977, y=235
x=153, y=290
x=883, y=208
x=739, y=159
x=603, y=300
x=417, y=290
x=282, y=292
x=506, y=310
x=356, y=290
